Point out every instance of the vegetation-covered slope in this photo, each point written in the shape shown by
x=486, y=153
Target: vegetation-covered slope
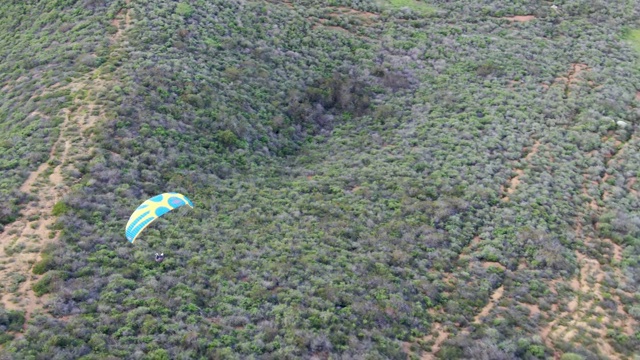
x=43, y=46
x=371, y=180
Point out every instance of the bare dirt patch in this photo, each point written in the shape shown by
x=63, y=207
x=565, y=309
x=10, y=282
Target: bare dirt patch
x=534, y=150
x=122, y=15
x=34, y=229
x=515, y=181
x=629, y=186
x=533, y=309
x=513, y=83
x=475, y=241
x=520, y=18
x=617, y=252
x=572, y=77
x=584, y=308
x=365, y=15
x=545, y=331
x=23, y=240
x=488, y=264
x=339, y=13
x=592, y=286
x=574, y=72
x=31, y=233
x=589, y=269
x=497, y=295
x=442, y=335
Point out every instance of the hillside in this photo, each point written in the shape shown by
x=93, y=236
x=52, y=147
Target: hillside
x=371, y=180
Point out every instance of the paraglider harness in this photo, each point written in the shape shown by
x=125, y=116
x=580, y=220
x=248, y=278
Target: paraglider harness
x=159, y=257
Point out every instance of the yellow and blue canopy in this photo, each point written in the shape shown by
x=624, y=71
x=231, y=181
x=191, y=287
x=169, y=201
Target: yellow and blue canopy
x=152, y=209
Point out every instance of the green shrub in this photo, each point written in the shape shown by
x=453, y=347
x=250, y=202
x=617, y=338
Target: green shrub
x=59, y=208
x=571, y=356
x=5, y=337
x=45, y=284
x=13, y=320
x=183, y=9
x=227, y=138
x=43, y=265
x=158, y=354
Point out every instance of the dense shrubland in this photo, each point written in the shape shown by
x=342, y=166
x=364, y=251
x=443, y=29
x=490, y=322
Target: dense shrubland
x=353, y=175
x=43, y=45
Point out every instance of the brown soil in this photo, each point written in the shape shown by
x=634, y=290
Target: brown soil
x=11, y=84
x=344, y=12
x=488, y=264
x=437, y=342
x=575, y=71
x=497, y=295
x=123, y=14
x=32, y=235
x=630, y=183
x=515, y=181
x=520, y=18
x=572, y=76
x=23, y=240
x=545, y=331
x=533, y=308
x=617, y=251
x=589, y=289
x=513, y=83
x=522, y=264
x=534, y=150
x=476, y=240
x=31, y=232
x=349, y=11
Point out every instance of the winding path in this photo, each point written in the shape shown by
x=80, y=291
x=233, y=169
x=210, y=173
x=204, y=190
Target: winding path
x=22, y=242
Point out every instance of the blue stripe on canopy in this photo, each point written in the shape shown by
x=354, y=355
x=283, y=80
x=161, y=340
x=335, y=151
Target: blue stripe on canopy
x=152, y=209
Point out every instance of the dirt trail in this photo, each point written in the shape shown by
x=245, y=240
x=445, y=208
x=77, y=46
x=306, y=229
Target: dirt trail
x=497, y=295
x=22, y=241
x=436, y=327
x=585, y=308
x=520, y=18
x=123, y=15
x=590, y=287
x=437, y=342
x=629, y=186
x=488, y=264
x=572, y=76
x=515, y=181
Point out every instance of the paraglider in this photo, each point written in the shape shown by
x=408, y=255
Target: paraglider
x=152, y=209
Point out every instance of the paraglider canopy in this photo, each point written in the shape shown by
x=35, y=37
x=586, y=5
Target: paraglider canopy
x=152, y=209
